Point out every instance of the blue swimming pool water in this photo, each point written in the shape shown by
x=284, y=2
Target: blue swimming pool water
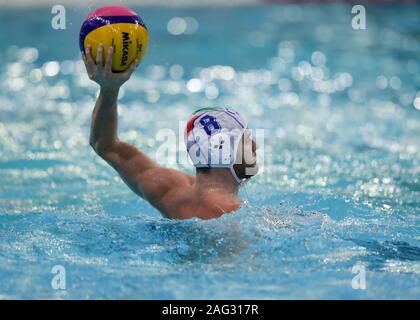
x=341, y=182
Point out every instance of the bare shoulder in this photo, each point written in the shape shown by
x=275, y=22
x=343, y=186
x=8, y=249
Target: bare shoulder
x=165, y=177
x=179, y=202
x=184, y=203
x=166, y=188
x=172, y=192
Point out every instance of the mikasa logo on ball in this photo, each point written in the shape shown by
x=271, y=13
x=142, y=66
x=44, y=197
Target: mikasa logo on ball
x=126, y=42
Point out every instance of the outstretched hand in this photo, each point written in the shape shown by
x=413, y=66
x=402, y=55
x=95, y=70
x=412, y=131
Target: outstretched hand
x=102, y=74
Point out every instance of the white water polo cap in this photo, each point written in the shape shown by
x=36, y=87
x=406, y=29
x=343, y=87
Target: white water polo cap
x=212, y=137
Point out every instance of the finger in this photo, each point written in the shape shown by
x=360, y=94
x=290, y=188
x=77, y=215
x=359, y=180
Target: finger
x=88, y=55
x=83, y=58
x=127, y=73
x=108, y=63
x=99, y=55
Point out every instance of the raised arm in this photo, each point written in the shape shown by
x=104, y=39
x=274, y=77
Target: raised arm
x=129, y=162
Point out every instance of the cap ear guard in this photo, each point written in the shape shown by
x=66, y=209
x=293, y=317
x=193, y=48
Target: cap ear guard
x=232, y=169
x=240, y=181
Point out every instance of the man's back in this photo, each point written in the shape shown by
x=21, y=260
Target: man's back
x=179, y=197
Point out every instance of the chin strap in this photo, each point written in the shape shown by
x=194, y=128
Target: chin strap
x=241, y=182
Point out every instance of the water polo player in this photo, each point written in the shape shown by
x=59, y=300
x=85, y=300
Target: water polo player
x=217, y=140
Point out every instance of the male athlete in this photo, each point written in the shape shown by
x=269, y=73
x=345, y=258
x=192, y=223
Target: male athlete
x=218, y=142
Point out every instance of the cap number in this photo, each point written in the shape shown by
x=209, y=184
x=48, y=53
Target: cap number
x=209, y=123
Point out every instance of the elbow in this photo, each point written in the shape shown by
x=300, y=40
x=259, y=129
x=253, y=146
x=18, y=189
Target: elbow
x=100, y=148
x=94, y=145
